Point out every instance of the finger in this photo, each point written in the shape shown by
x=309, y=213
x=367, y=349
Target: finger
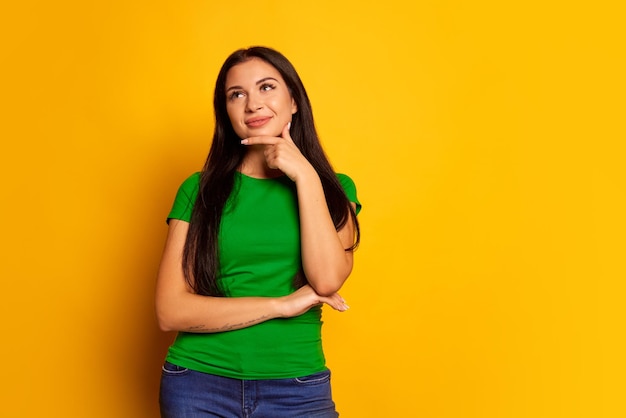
x=342, y=301
x=260, y=140
x=270, y=157
x=336, y=303
x=286, y=134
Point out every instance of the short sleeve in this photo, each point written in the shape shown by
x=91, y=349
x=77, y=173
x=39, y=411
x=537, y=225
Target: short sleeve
x=350, y=189
x=185, y=199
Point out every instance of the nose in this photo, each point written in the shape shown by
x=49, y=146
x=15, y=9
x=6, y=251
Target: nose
x=253, y=103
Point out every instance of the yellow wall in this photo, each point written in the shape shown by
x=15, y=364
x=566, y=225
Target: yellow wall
x=486, y=140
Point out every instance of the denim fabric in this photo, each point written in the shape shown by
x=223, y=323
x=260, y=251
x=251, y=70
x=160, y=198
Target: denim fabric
x=189, y=394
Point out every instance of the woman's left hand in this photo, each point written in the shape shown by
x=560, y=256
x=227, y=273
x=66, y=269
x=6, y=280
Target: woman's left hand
x=282, y=153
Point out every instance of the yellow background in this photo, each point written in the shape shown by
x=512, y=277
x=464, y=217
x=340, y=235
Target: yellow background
x=486, y=141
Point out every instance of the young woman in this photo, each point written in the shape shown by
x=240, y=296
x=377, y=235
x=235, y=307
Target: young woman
x=257, y=243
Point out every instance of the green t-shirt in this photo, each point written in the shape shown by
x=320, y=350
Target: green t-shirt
x=259, y=247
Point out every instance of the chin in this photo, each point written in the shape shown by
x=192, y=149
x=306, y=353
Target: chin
x=264, y=132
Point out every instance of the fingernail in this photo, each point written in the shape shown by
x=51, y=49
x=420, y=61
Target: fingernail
x=244, y=141
x=289, y=126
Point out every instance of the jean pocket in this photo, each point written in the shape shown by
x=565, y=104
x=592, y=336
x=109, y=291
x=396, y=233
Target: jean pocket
x=314, y=379
x=170, y=369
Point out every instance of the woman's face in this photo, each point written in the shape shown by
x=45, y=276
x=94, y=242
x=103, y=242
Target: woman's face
x=258, y=101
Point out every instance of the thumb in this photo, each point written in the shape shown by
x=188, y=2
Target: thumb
x=285, y=133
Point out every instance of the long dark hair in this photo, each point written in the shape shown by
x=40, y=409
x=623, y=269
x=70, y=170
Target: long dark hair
x=201, y=252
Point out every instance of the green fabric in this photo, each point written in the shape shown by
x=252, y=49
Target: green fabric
x=259, y=243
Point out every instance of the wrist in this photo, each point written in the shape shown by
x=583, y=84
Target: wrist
x=307, y=175
x=277, y=307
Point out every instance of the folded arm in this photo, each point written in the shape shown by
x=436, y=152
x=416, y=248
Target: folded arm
x=178, y=308
x=325, y=261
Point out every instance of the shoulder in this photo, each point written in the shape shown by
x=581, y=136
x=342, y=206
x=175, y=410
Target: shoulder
x=346, y=182
x=349, y=187
x=188, y=191
x=185, y=199
x=190, y=186
x=192, y=181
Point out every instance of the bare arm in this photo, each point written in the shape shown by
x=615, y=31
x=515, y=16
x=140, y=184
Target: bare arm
x=180, y=309
x=325, y=261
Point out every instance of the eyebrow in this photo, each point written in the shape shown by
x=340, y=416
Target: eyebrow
x=263, y=80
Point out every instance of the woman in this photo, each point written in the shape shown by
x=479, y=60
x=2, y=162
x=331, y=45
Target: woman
x=257, y=242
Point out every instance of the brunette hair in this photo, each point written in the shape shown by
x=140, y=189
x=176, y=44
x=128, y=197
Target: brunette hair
x=201, y=252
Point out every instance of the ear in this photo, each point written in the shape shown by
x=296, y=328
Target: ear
x=294, y=106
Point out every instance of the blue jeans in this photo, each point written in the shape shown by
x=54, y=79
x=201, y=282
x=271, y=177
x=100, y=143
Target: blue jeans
x=189, y=394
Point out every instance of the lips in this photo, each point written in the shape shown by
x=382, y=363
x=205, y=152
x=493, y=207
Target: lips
x=257, y=122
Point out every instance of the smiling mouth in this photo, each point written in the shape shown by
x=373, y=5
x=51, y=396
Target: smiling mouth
x=257, y=122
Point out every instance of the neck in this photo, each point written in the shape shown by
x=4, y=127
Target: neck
x=254, y=164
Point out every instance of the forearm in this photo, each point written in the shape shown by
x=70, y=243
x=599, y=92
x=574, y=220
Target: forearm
x=325, y=261
x=179, y=308
x=205, y=314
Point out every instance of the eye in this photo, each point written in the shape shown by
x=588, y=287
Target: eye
x=267, y=86
x=236, y=95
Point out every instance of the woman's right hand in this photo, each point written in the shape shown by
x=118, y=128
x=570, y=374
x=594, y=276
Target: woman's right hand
x=305, y=298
